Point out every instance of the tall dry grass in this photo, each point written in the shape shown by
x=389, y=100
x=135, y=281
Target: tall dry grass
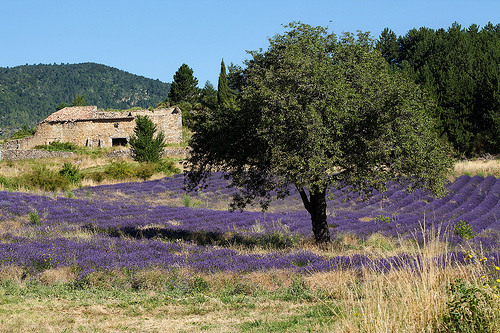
x=477, y=167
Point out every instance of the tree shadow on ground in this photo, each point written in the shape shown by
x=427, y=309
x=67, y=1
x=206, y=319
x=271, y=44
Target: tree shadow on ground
x=275, y=240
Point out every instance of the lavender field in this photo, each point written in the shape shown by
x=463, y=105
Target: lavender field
x=147, y=224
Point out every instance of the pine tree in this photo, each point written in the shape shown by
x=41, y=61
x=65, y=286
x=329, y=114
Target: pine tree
x=389, y=47
x=209, y=96
x=145, y=146
x=222, y=88
x=184, y=87
x=79, y=101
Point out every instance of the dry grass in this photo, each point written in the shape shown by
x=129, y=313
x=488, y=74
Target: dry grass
x=158, y=300
x=478, y=167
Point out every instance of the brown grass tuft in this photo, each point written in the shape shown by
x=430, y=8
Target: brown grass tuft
x=12, y=273
x=59, y=275
x=334, y=284
x=271, y=280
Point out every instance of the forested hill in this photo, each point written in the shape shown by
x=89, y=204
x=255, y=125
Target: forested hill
x=29, y=93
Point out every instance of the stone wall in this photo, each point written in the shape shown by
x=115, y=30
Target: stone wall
x=27, y=154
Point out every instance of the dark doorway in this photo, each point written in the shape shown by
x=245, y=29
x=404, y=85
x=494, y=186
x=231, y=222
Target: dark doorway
x=119, y=142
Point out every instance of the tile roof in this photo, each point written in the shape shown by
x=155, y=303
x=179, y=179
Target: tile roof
x=72, y=113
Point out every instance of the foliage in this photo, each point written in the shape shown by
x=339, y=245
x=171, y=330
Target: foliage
x=145, y=170
x=389, y=47
x=71, y=172
x=23, y=133
x=382, y=218
x=167, y=167
x=42, y=178
x=319, y=112
x=123, y=170
x=187, y=114
x=145, y=146
x=208, y=96
x=235, y=78
x=184, y=87
x=469, y=309
x=58, y=146
x=34, y=217
x=459, y=69
x=78, y=101
x=464, y=230
x=31, y=92
x=119, y=170
x=222, y=87
x=188, y=202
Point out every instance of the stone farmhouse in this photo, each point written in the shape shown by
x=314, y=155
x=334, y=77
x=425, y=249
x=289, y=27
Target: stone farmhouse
x=88, y=126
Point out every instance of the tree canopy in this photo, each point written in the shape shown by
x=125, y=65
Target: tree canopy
x=459, y=69
x=319, y=112
x=185, y=86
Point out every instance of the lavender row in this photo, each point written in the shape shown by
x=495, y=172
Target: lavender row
x=105, y=253
x=475, y=200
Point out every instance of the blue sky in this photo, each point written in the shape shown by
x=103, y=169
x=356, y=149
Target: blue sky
x=153, y=38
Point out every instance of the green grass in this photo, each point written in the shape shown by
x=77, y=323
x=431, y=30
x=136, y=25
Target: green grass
x=32, y=304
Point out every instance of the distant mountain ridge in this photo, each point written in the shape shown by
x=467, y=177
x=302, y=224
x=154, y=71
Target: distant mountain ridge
x=30, y=93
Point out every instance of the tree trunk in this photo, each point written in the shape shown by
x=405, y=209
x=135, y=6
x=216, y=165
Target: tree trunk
x=316, y=206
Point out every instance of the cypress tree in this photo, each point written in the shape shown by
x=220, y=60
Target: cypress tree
x=222, y=87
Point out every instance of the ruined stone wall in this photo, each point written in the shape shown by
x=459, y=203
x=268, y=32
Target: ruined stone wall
x=169, y=121
x=101, y=129
x=26, y=154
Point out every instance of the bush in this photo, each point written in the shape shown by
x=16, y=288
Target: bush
x=23, y=133
x=469, y=309
x=145, y=170
x=34, y=217
x=10, y=183
x=119, y=170
x=71, y=172
x=96, y=176
x=58, y=146
x=167, y=167
x=42, y=178
x=464, y=230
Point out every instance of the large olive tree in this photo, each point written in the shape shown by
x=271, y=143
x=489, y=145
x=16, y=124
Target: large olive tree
x=319, y=112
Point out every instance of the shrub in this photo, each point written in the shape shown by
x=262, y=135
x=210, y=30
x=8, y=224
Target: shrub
x=464, y=230
x=58, y=146
x=145, y=170
x=97, y=176
x=10, y=183
x=167, y=167
x=34, y=217
x=119, y=170
x=23, y=133
x=42, y=178
x=468, y=310
x=71, y=172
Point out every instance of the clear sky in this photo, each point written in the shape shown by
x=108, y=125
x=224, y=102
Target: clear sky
x=153, y=38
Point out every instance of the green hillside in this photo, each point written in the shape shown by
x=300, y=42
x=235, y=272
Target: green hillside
x=29, y=93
